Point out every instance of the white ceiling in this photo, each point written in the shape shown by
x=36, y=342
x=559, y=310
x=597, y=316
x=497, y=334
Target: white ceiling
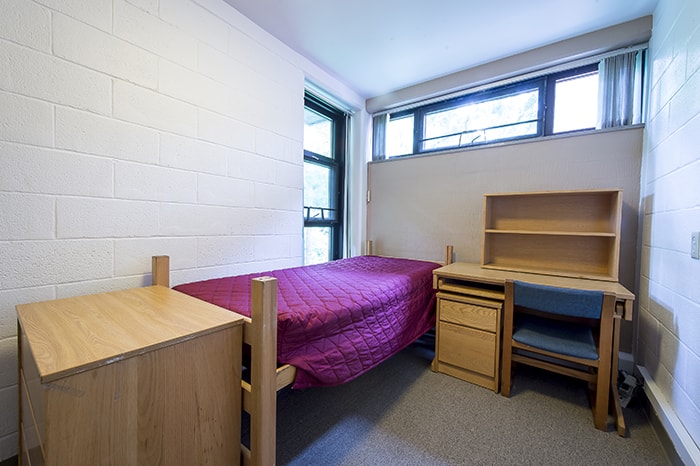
x=378, y=46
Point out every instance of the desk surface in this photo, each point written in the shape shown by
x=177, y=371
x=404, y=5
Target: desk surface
x=73, y=334
x=474, y=272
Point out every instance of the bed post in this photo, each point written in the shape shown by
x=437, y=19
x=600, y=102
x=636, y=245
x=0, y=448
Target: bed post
x=449, y=249
x=263, y=415
x=160, y=270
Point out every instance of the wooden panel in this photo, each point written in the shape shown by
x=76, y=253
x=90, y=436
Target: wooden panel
x=33, y=391
x=90, y=416
x=31, y=441
x=466, y=347
x=32, y=455
x=581, y=256
x=466, y=313
x=579, y=211
x=469, y=376
x=189, y=402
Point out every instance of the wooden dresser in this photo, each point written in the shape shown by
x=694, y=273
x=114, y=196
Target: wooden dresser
x=468, y=330
x=147, y=376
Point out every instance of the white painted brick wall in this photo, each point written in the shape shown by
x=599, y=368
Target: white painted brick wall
x=101, y=51
x=133, y=256
x=40, y=170
x=149, y=32
x=86, y=132
x=669, y=301
x=164, y=184
x=71, y=84
x=222, y=250
x=196, y=22
x=105, y=218
x=251, y=166
x=25, y=120
x=226, y=131
x=224, y=191
x=132, y=128
x=150, y=6
x=96, y=13
x=151, y=109
x=26, y=216
x=40, y=263
x=26, y=23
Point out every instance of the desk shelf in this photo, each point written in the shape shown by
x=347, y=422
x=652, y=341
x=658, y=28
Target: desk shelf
x=563, y=233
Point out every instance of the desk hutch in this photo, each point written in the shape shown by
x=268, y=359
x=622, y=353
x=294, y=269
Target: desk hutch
x=557, y=238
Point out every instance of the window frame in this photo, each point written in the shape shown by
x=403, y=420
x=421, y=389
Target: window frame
x=550, y=96
x=545, y=115
x=336, y=165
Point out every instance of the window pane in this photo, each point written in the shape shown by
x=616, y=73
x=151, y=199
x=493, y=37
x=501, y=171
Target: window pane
x=576, y=102
x=399, y=136
x=318, y=201
x=317, y=245
x=318, y=133
x=505, y=117
x=316, y=185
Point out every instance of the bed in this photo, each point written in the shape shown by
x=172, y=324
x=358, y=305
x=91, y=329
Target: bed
x=317, y=325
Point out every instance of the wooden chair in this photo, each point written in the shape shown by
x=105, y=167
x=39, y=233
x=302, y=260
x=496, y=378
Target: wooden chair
x=568, y=331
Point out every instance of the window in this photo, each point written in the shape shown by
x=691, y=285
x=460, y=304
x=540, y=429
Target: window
x=324, y=160
x=575, y=100
x=560, y=102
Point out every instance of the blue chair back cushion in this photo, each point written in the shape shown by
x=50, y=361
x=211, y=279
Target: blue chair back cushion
x=555, y=300
x=555, y=336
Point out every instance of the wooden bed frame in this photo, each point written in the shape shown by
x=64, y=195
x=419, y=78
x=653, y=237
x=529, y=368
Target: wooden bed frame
x=259, y=396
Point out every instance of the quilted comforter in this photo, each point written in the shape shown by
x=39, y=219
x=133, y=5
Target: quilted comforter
x=337, y=320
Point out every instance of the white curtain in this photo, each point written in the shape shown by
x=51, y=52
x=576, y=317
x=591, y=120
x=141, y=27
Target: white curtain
x=619, y=95
x=379, y=136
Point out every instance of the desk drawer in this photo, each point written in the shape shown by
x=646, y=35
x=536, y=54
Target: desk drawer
x=467, y=348
x=476, y=313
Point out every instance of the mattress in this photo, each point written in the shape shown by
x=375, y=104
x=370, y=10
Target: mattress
x=339, y=319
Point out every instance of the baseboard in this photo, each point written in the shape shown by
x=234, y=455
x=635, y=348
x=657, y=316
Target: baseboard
x=682, y=447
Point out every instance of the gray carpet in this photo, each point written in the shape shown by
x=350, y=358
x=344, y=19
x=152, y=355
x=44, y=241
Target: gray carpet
x=401, y=413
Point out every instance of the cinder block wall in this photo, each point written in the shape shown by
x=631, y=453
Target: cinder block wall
x=134, y=128
x=668, y=343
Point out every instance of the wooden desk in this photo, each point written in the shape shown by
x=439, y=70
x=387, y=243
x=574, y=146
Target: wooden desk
x=135, y=377
x=468, y=279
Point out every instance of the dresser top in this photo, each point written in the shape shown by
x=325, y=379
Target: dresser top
x=75, y=334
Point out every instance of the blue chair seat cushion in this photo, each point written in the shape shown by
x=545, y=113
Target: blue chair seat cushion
x=555, y=336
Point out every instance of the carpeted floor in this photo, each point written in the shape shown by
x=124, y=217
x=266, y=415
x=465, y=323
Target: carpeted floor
x=401, y=413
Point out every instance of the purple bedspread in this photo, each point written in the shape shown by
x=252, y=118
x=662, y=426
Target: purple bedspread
x=338, y=320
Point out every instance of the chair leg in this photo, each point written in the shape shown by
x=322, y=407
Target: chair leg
x=602, y=398
x=602, y=402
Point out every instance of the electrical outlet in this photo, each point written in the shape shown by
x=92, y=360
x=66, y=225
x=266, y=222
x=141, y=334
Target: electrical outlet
x=695, y=245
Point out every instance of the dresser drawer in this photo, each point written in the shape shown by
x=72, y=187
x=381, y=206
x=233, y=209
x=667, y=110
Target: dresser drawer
x=467, y=348
x=477, y=313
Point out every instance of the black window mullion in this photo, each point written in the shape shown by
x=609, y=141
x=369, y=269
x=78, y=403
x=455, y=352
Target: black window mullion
x=548, y=108
x=336, y=164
